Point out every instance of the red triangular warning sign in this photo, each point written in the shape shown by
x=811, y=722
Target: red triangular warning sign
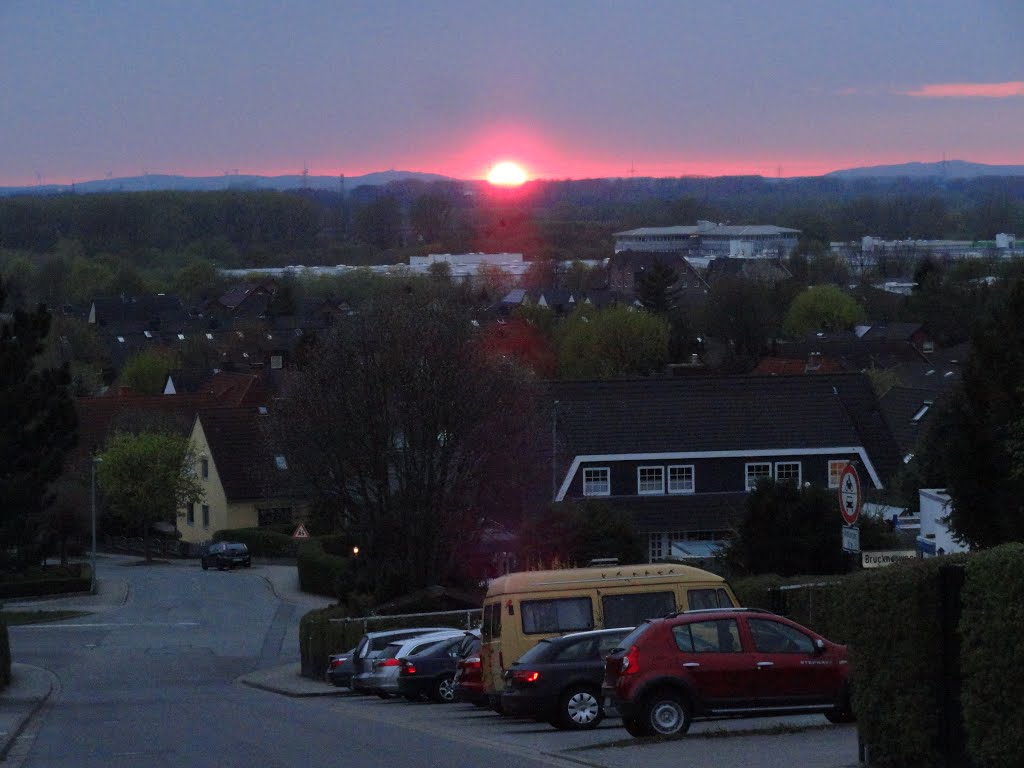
x=301, y=532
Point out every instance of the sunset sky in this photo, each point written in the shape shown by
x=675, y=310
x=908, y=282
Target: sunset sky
x=566, y=88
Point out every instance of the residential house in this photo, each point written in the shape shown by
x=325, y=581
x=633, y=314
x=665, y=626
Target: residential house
x=626, y=268
x=681, y=454
x=246, y=482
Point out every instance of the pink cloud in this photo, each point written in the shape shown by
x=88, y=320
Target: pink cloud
x=1005, y=90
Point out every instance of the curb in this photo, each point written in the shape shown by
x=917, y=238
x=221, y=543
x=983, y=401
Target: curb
x=26, y=719
x=290, y=694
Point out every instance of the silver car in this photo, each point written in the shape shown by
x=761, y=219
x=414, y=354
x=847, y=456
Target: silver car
x=370, y=647
x=383, y=679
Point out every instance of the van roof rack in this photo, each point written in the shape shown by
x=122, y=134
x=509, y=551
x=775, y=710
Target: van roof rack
x=597, y=562
x=719, y=610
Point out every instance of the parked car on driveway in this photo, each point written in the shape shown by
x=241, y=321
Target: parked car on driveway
x=559, y=679
x=383, y=679
x=431, y=672
x=339, y=669
x=226, y=554
x=727, y=662
x=370, y=646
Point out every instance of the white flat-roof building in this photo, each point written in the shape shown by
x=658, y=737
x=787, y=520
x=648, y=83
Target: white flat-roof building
x=710, y=240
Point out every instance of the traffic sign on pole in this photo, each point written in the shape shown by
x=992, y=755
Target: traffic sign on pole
x=849, y=494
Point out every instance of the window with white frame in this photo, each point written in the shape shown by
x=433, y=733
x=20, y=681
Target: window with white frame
x=787, y=472
x=680, y=478
x=757, y=471
x=650, y=480
x=835, y=469
x=655, y=547
x=596, y=481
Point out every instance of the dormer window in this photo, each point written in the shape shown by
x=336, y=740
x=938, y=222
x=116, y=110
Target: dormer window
x=181, y=337
x=120, y=339
x=209, y=336
x=596, y=481
x=148, y=334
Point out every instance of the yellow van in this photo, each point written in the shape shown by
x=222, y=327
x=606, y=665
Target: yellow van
x=522, y=608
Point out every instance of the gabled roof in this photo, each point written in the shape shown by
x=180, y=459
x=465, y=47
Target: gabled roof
x=247, y=464
x=888, y=331
x=908, y=411
x=845, y=345
x=722, y=413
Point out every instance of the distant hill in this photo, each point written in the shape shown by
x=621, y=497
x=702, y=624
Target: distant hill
x=951, y=169
x=154, y=181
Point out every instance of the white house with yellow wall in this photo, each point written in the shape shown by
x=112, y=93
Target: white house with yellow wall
x=246, y=483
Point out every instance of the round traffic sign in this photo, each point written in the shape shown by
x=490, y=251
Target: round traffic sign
x=849, y=494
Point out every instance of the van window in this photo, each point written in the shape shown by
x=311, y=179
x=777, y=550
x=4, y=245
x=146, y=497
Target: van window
x=707, y=598
x=630, y=610
x=568, y=614
x=491, y=626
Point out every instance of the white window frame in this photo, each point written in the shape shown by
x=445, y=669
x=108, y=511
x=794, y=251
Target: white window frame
x=799, y=472
x=746, y=473
x=835, y=469
x=693, y=478
x=589, y=483
x=647, y=487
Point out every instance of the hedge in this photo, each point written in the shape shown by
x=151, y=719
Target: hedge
x=262, y=542
x=321, y=573
x=48, y=581
x=5, y=656
x=809, y=600
x=992, y=656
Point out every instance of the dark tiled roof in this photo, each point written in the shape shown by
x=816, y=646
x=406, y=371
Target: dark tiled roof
x=936, y=376
x=726, y=413
x=697, y=512
x=859, y=353
x=781, y=366
x=891, y=331
x=900, y=405
x=244, y=458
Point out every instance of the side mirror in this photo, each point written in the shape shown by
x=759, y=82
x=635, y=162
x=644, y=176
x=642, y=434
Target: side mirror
x=819, y=645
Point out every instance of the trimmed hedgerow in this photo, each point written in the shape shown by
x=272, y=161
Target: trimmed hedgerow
x=992, y=656
x=322, y=573
x=49, y=581
x=262, y=542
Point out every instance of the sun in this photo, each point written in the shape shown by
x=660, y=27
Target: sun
x=507, y=174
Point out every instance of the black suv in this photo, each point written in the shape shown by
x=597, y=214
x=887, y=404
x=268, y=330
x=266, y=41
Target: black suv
x=226, y=554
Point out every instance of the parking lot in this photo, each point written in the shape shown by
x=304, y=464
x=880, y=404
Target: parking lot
x=808, y=741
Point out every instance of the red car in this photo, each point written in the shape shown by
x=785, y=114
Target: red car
x=469, y=681
x=724, y=662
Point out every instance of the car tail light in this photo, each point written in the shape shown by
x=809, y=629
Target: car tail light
x=388, y=663
x=337, y=663
x=473, y=662
x=630, y=662
x=525, y=676
x=408, y=668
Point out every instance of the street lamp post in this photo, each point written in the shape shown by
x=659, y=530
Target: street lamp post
x=92, y=557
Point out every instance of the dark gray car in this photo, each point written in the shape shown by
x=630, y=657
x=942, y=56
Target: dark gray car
x=370, y=646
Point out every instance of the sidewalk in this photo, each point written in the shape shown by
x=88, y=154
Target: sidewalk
x=29, y=689
x=287, y=681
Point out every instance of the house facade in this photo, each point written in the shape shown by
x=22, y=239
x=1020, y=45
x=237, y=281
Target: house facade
x=246, y=484
x=681, y=454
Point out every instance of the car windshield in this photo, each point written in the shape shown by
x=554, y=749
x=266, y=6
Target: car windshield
x=237, y=548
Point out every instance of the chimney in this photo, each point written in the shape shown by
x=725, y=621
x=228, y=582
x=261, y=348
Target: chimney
x=813, y=361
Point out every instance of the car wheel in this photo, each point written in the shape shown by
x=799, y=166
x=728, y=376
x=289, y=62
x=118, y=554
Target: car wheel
x=843, y=711
x=579, y=709
x=444, y=690
x=496, y=705
x=666, y=714
x=635, y=727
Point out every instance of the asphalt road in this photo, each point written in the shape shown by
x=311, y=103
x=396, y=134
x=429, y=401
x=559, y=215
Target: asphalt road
x=152, y=682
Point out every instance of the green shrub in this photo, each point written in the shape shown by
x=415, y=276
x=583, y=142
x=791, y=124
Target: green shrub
x=890, y=619
x=262, y=542
x=809, y=600
x=321, y=573
x=992, y=656
x=5, y=656
x=40, y=582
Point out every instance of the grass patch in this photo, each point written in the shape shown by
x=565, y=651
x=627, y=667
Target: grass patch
x=15, y=618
